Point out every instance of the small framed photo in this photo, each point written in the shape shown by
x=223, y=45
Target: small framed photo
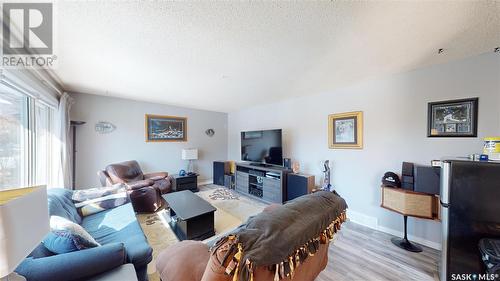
x=453, y=118
x=345, y=130
x=160, y=128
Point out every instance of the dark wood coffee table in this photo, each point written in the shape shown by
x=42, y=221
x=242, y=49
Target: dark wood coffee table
x=192, y=218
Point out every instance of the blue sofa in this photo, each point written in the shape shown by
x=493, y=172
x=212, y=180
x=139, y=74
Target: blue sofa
x=117, y=230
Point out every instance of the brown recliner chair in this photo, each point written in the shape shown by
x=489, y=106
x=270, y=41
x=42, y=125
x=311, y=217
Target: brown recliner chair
x=130, y=173
x=145, y=190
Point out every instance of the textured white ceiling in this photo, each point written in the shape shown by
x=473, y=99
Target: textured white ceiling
x=224, y=56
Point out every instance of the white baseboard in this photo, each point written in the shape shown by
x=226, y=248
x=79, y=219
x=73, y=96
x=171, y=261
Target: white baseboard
x=415, y=239
x=204, y=182
x=372, y=222
x=362, y=219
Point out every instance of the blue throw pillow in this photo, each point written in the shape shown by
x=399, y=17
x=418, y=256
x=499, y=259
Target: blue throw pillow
x=64, y=241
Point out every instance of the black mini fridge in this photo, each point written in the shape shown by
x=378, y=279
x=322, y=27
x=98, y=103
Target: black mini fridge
x=470, y=210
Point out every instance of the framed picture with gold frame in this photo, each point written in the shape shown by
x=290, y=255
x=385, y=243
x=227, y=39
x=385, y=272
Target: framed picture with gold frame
x=345, y=130
x=162, y=128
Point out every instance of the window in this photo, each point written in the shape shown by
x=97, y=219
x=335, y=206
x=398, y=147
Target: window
x=43, y=143
x=13, y=139
x=26, y=127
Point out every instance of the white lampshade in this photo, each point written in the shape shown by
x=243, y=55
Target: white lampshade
x=190, y=154
x=24, y=222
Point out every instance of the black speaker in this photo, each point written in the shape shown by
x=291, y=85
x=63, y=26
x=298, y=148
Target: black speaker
x=427, y=179
x=407, y=178
x=407, y=169
x=221, y=168
x=287, y=163
x=298, y=185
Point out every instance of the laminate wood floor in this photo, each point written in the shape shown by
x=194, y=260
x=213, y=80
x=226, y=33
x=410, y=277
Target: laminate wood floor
x=361, y=253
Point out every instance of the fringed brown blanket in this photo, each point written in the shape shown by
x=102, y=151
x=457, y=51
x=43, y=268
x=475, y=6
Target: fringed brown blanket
x=285, y=236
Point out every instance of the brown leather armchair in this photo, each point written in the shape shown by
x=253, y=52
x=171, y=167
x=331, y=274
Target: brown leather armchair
x=130, y=173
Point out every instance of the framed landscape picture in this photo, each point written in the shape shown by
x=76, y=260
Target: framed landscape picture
x=345, y=130
x=453, y=118
x=165, y=128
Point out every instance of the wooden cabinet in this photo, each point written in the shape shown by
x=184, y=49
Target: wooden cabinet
x=272, y=190
x=241, y=182
x=410, y=203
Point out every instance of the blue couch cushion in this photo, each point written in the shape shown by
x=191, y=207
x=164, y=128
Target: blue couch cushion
x=120, y=225
x=40, y=252
x=60, y=204
x=59, y=244
x=65, y=241
x=79, y=265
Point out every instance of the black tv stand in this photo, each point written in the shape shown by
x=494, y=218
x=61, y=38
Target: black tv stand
x=262, y=181
x=260, y=164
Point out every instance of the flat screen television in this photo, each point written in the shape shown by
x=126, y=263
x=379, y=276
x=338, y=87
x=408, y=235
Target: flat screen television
x=262, y=147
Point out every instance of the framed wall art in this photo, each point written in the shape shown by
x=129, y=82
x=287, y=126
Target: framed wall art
x=453, y=118
x=160, y=128
x=345, y=130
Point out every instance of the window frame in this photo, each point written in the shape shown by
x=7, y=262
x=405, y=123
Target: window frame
x=28, y=173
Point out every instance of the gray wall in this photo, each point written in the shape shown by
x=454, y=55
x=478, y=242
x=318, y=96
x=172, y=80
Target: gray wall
x=395, y=123
x=95, y=150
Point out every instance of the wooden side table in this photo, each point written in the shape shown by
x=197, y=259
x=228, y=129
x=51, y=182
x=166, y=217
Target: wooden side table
x=187, y=182
x=409, y=203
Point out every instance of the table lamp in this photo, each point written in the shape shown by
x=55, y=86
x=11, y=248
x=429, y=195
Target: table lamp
x=24, y=222
x=190, y=154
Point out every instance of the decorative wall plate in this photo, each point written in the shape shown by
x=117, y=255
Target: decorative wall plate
x=104, y=127
x=210, y=132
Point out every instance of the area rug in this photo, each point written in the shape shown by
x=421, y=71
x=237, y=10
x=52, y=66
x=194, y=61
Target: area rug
x=223, y=194
x=231, y=212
